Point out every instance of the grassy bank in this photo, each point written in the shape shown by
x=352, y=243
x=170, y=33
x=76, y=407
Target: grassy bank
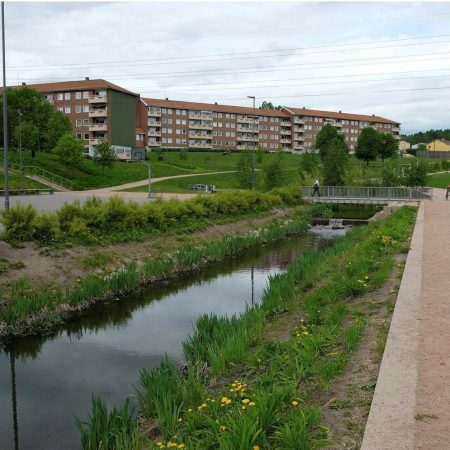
x=246, y=387
x=440, y=180
x=16, y=183
x=29, y=311
x=115, y=220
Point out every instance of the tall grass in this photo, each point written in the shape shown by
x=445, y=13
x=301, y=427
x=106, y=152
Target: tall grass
x=27, y=307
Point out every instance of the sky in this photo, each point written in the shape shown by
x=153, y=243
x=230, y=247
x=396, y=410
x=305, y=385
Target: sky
x=388, y=59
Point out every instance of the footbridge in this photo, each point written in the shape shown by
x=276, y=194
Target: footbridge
x=361, y=194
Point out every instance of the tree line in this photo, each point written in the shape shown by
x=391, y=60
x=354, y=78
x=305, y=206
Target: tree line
x=427, y=136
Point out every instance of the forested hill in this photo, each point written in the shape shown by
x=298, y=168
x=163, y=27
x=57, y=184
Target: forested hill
x=427, y=136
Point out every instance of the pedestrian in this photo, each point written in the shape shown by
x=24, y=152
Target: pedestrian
x=316, y=188
x=448, y=190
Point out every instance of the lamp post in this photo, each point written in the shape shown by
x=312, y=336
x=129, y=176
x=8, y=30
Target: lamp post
x=20, y=149
x=5, y=115
x=149, y=177
x=254, y=143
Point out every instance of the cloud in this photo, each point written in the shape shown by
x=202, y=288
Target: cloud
x=158, y=49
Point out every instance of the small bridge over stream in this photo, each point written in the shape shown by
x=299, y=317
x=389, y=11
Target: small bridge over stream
x=364, y=195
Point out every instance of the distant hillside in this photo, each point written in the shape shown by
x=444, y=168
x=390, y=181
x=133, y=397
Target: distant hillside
x=427, y=136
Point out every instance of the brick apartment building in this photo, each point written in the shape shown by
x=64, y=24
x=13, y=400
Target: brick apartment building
x=180, y=124
x=100, y=110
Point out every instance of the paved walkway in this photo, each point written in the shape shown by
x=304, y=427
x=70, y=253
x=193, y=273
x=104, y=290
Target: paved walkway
x=411, y=405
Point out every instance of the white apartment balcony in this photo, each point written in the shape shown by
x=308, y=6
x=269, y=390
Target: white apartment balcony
x=155, y=133
x=154, y=124
x=247, y=120
x=154, y=113
x=285, y=123
x=201, y=126
x=299, y=121
x=286, y=132
x=200, y=145
x=98, y=127
x=101, y=112
x=298, y=130
x=245, y=129
x=247, y=138
x=154, y=143
x=95, y=141
x=244, y=147
x=396, y=129
x=201, y=115
x=98, y=99
x=285, y=140
x=297, y=146
x=200, y=136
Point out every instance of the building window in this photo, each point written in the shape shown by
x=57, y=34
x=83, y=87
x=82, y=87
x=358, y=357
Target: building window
x=60, y=96
x=78, y=108
x=60, y=109
x=85, y=94
x=67, y=109
x=86, y=136
x=78, y=122
x=78, y=95
x=86, y=108
x=67, y=96
x=79, y=136
x=85, y=122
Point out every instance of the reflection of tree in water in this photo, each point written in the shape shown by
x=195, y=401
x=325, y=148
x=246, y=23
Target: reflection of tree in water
x=118, y=313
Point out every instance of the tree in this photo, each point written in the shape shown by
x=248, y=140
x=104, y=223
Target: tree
x=58, y=124
x=273, y=174
x=368, y=145
x=244, y=170
x=335, y=163
x=269, y=105
x=69, y=150
x=416, y=173
x=26, y=134
x=388, y=146
x=104, y=155
x=326, y=137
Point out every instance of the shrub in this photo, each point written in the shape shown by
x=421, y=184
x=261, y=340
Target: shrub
x=445, y=164
x=19, y=222
x=46, y=228
x=67, y=213
x=77, y=227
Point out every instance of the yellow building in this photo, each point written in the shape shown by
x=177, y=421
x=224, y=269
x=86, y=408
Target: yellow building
x=439, y=145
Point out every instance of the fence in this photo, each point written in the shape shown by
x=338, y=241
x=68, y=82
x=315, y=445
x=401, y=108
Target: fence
x=370, y=193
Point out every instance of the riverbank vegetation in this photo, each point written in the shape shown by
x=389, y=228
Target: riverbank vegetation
x=250, y=382
x=29, y=310
x=99, y=221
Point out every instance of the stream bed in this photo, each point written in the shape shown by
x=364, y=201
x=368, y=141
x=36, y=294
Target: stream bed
x=45, y=382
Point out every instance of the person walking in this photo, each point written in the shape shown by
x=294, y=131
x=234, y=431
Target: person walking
x=448, y=190
x=316, y=188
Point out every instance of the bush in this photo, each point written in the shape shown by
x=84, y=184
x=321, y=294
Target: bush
x=19, y=222
x=273, y=175
x=445, y=164
x=46, y=228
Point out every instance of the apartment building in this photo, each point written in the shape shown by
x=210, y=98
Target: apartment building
x=100, y=110
x=181, y=124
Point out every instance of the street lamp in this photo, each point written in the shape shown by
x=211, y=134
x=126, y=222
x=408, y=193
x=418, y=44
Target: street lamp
x=254, y=143
x=20, y=149
x=5, y=115
x=149, y=177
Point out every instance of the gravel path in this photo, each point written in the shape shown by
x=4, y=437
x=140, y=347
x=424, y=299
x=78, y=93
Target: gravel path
x=411, y=405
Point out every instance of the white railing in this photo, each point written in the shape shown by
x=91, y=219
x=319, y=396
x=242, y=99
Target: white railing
x=369, y=193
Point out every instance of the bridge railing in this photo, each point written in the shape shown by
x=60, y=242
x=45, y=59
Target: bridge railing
x=373, y=193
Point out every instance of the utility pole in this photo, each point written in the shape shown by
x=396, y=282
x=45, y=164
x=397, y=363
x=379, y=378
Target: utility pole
x=20, y=150
x=254, y=143
x=5, y=115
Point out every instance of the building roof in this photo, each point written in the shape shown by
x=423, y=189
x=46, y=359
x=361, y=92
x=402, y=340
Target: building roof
x=338, y=115
x=213, y=107
x=75, y=85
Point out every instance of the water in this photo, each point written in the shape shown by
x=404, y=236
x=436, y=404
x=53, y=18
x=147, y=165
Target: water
x=45, y=382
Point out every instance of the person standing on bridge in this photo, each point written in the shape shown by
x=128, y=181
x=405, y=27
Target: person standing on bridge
x=316, y=188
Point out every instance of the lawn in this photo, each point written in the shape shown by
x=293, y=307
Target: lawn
x=15, y=183
x=221, y=181
x=90, y=176
x=440, y=180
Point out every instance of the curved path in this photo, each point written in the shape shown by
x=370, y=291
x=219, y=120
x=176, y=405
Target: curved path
x=411, y=406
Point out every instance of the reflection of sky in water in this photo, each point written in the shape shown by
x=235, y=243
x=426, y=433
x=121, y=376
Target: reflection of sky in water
x=102, y=358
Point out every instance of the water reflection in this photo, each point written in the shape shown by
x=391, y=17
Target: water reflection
x=47, y=381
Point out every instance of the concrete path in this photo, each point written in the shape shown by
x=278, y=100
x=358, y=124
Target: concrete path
x=411, y=406
x=134, y=184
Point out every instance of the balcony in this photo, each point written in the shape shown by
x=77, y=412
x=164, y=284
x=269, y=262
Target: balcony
x=285, y=140
x=298, y=130
x=299, y=121
x=396, y=129
x=285, y=123
x=285, y=132
x=247, y=120
x=155, y=133
x=201, y=126
x=98, y=127
x=103, y=112
x=98, y=99
x=203, y=115
x=154, y=113
x=154, y=143
x=248, y=138
x=200, y=145
x=94, y=141
x=200, y=136
x=244, y=129
x=154, y=124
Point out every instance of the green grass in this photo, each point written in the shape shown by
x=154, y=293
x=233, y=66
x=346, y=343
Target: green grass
x=440, y=180
x=263, y=390
x=16, y=183
x=90, y=176
x=222, y=181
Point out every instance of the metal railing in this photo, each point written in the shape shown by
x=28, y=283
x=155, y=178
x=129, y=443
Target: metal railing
x=369, y=193
x=43, y=173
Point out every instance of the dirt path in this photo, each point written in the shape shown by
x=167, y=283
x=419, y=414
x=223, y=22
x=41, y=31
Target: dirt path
x=411, y=406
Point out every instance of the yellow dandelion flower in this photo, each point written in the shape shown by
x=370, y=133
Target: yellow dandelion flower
x=294, y=402
x=180, y=446
x=222, y=428
x=252, y=404
x=245, y=401
x=190, y=410
x=256, y=447
x=244, y=407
